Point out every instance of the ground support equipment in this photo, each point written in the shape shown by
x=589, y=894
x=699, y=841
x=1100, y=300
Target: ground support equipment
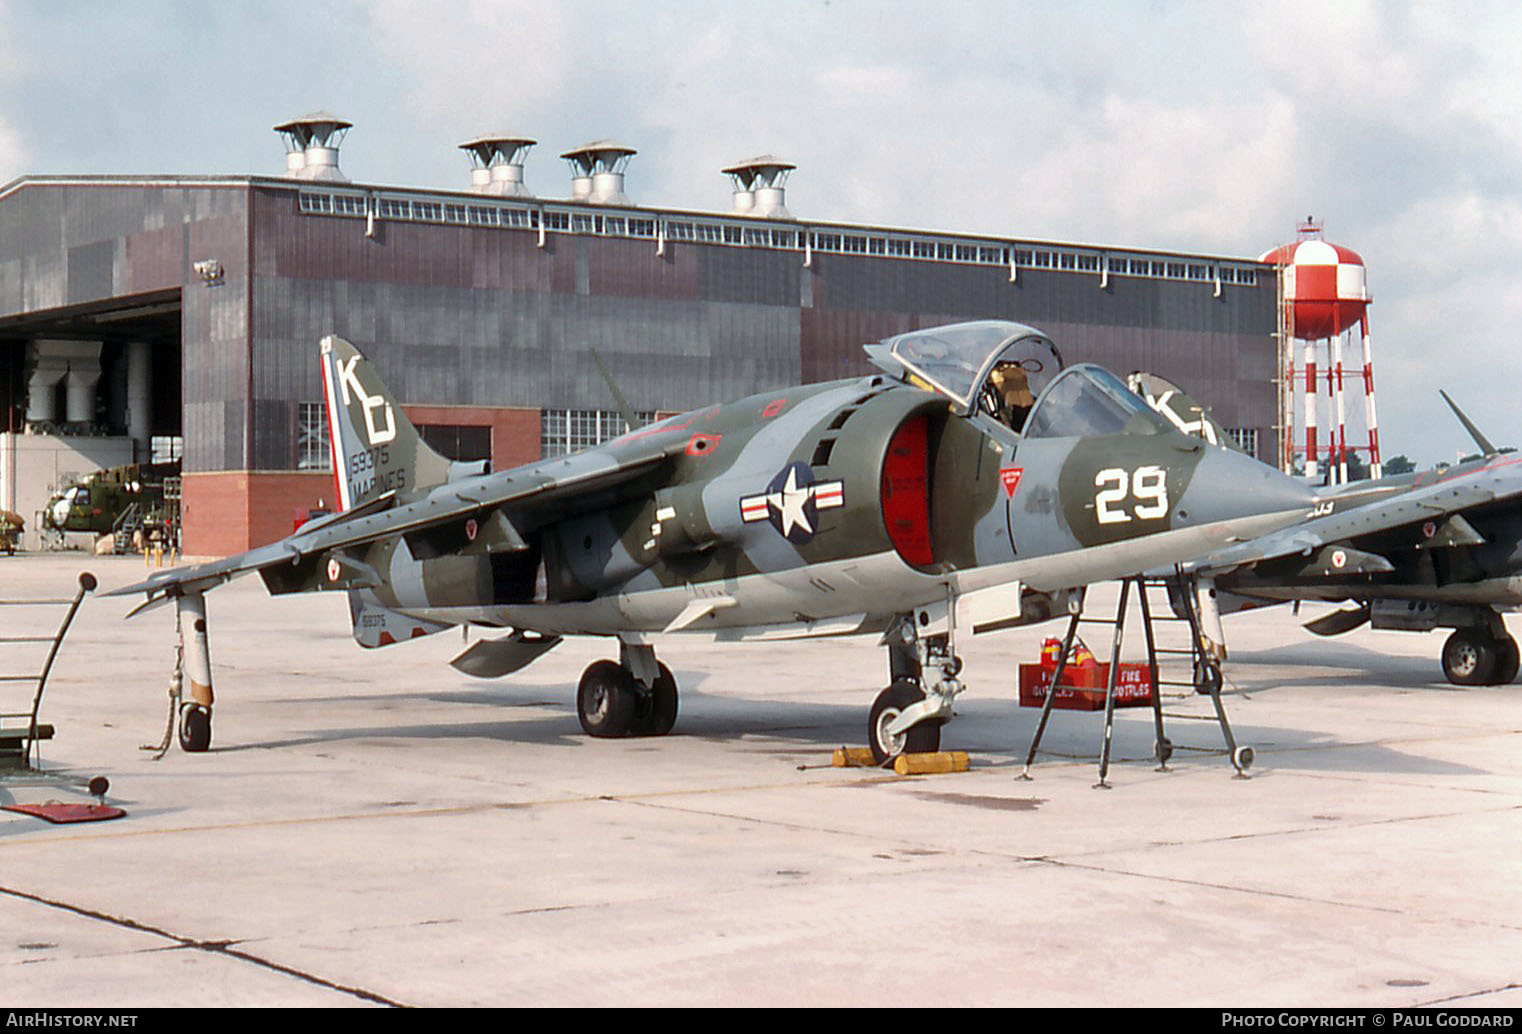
x=1205, y=671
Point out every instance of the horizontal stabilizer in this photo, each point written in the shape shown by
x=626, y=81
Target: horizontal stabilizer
x=493, y=658
x=1339, y=621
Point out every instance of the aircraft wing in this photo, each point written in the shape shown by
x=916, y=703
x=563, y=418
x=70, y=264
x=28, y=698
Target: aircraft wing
x=1418, y=506
x=566, y=483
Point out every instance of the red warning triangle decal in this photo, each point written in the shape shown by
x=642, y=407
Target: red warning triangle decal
x=1011, y=478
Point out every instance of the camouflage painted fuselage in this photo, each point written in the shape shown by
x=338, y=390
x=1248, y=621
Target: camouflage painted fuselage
x=822, y=509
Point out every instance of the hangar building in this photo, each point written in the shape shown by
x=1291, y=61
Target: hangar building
x=178, y=316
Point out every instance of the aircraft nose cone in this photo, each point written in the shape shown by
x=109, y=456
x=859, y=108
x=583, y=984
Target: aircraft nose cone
x=1229, y=484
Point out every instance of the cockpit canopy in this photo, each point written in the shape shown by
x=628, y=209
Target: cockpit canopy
x=956, y=360
x=1085, y=400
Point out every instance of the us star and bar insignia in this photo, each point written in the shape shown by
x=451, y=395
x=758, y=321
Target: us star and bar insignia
x=792, y=502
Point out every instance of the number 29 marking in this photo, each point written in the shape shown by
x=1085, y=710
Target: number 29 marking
x=1148, y=486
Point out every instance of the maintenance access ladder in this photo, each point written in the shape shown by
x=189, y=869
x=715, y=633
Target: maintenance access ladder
x=125, y=526
x=1204, y=670
x=20, y=730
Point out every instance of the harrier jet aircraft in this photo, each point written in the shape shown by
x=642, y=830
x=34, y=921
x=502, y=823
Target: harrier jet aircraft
x=967, y=486
x=1437, y=549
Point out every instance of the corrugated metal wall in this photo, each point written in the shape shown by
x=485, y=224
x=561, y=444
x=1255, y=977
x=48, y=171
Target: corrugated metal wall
x=486, y=317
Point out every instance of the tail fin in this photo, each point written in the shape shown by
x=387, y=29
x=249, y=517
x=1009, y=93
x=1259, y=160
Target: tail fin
x=375, y=447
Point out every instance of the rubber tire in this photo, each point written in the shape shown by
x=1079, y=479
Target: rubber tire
x=658, y=707
x=1508, y=661
x=1468, y=658
x=195, y=729
x=924, y=738
x=606, y=700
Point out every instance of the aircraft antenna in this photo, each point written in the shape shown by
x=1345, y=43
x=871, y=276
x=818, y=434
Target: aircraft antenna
x=1474, y=432
x=624, y=409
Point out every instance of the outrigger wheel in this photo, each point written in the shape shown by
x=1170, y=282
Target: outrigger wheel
x=195, y=728
x=610, y=703
x=923, y=738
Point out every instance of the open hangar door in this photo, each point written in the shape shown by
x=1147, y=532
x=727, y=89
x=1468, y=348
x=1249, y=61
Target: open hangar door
x=85, y=388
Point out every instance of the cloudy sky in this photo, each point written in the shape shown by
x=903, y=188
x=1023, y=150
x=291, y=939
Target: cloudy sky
x=1208, y=127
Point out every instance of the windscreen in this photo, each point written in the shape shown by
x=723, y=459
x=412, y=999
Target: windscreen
x=1086, y=401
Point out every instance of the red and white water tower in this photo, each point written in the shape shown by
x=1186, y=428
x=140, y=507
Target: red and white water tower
x=1323, y=295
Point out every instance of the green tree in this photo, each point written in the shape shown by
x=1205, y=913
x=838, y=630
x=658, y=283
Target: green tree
x=1398, y=465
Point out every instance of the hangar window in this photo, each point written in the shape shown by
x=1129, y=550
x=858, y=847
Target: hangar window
x=393, y=209
x=483, y=216
x=923, y=249
x=166, y=448
x=458, y=442
x=1246, y=439
x=679, y=231
x=454, y=213
x=898, y=247
x=641, y=227
x=313, y=451
x=564, y=431
x=1088, y=263
x=315, y=203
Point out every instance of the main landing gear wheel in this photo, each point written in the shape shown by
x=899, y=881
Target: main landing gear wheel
x=195, y=729
x=923, y=738
x=1469, y=658
x=1508, y=661
x=610, y=703
x=606, y=700
x=656, y=710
